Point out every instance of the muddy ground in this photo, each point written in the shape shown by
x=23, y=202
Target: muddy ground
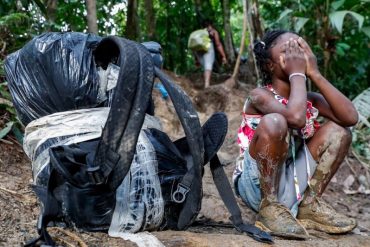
x=19, y=208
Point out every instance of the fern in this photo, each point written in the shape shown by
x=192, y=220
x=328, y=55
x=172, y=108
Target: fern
x=14, y=20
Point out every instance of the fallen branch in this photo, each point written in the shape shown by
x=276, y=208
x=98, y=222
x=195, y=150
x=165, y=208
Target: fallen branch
x=15, y=141
x=76, y=238
x=353, y=192
x=364, y=165
x=21, y=198
x=10, y=191
x=363, y=228
x=64, y=242
x=6, y=142
x=359, y=160
x=344, y=205
x=349, y=165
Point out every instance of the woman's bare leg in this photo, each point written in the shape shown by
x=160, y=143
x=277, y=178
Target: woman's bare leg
x=207, y=78
x=269, y=147
x=328, y=147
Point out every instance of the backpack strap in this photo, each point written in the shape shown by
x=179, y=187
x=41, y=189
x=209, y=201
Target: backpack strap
x=49, y=211
x=189, y=190
x=227, y=196
x=131, y=98
x=214, y=132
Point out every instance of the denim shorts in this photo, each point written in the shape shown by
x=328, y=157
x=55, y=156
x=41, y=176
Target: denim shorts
x=247, y=184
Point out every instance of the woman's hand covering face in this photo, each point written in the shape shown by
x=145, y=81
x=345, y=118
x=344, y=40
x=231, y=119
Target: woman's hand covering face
x=293, y=60
x=309, y=56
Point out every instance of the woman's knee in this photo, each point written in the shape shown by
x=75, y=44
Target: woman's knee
x=274, y=126
x=338, y=132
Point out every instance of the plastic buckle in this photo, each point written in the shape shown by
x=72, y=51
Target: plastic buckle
x=179, y=195
x=95, y=175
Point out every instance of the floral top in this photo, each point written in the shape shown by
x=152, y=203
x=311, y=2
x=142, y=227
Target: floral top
x=250, y=123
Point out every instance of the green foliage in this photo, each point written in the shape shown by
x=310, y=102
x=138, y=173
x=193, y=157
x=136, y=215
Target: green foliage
x=236, y=21
x=6, y=106
x=170, y=16
x=361, y=142
x=14, y=31
x=337, y=19
x=6, y=130
x=339, y=33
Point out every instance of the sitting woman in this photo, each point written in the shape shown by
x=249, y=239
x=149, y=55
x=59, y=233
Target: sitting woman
x=287, y=159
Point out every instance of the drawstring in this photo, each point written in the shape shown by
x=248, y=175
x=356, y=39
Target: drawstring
x=296, y=184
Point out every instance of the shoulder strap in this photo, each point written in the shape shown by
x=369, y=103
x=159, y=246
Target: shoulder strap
x=227, y=196
x=214, y=132
x=189, y=189
x=130, y=101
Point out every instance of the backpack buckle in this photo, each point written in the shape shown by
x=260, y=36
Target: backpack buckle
x=95, y=175
x=179, y=195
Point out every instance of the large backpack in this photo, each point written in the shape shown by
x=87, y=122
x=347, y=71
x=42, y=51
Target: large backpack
x=80, y=182
x=199, y=40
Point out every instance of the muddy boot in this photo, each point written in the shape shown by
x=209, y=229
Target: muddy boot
x=277, y=219
x=320, y=216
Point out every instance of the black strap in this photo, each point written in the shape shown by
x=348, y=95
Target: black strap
x=49, y=211
x=130, y=101
x=227, y=196
x=191, y=184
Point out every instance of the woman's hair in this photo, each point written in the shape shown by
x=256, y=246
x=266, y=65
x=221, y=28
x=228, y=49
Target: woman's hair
x=206, y=23
x=262, y=53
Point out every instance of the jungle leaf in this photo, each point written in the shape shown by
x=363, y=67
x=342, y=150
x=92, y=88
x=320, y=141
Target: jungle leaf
x=337, y=18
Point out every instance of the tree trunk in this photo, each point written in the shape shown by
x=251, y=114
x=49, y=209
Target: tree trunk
x=132, y=22
x=51, y=7
x=242, y=42
x=150, y=19
x=92, y=24
x=229, y=46
x=252, y=35
x=204, y=10
x=256, y=20
x=198, y=11
x=232, y=82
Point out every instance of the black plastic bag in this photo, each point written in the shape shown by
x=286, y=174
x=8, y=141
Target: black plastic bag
x=54, y=72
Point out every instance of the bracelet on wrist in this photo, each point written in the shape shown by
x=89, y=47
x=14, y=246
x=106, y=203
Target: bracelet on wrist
x=298, y=74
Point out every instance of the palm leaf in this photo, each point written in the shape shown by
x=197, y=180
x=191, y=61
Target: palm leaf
x=362, y=105
x=337, y=18
x=6, y=130
x=299, y=23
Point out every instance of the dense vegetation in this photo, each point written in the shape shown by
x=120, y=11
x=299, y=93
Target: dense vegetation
x=339, y=31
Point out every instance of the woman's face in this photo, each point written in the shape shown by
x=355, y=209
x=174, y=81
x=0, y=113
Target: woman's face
x=276, y=50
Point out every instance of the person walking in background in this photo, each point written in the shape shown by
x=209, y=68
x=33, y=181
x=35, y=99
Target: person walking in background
x=207, y=59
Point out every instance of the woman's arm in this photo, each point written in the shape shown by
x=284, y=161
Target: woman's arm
x=295, y=110
x=332, y=103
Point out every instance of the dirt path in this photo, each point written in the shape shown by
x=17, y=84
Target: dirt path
x=19, y=208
